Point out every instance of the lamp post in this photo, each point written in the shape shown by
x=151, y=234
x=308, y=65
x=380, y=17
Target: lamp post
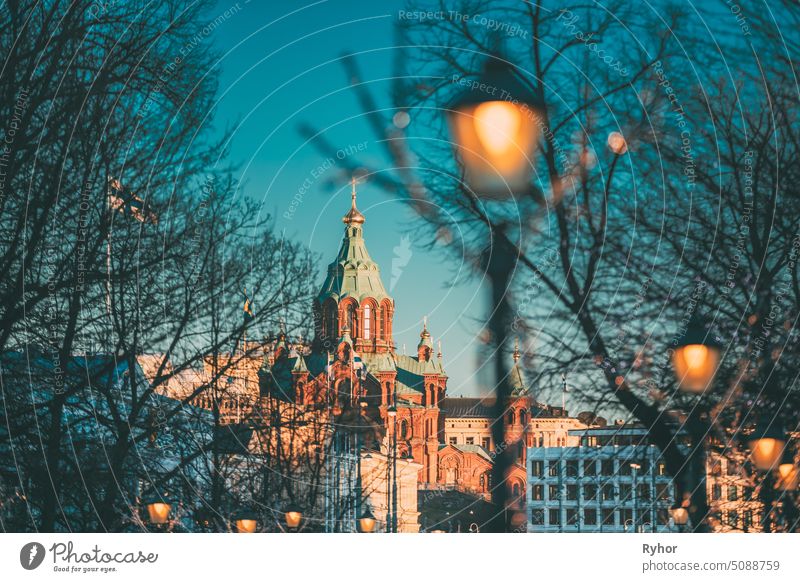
x=495, y=124
x=635, y=468
x=391, y=412
x=695, y=360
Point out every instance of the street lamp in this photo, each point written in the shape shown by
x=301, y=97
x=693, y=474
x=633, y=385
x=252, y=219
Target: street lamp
x=366, y=523
x=788, y=476
x=293, y=517
x=158, y=510
x=696, y=358
x=766, y=445
x=680, y=516
x=246, y=525
x=495, y=125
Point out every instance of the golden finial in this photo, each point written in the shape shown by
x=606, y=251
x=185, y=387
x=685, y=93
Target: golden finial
x=353, y=216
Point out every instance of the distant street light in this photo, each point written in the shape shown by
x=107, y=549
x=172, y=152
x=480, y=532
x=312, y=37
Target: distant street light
x=680, y=516
x=293, y=516
x=788, y=475
x=616, y=143
x=766, y=445
x=696, y=358
x=495, y=125
x=366, y=523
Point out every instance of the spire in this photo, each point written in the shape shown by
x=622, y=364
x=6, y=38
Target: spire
x=439, y=355
x=353, y=216
x=516, y=351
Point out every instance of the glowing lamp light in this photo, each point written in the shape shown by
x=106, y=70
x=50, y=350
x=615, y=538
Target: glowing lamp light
x=766, y=446
x=495, y=124
x=616, y=143
x=367, y=521
x=680, y=515
x=696, y=358
x=158, y=512
x=246, y=525
x=788, y=477
x=293, y=517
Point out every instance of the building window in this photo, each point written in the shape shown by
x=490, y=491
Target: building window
x=644, y=492
x=367, y=322
x=589, y=492
x=733, y=468
x=608, y=492
x=515, y=490
x=537, y=468
x=555, y=517
x=590, y=516
x=608, y=517
x=572, y=516
x=537, y=516
x=624, y=491
x=662, y=491
x=351, y=319
x=624, y=468
x=554, y=466
x=589, y=468
x=733, y=493
x=626, y=517
x=748, y=519
x=748, y=493
x=572, y=492
x=470, y=440
x=608, y=467
x=716, y=492
x=453, y=440
x=553, y=492
x=572, y=468
x=511, y=417
x=663, y=516
x=537, y=493
x=486, y=443
x=733, y=518
x=523, y=417
x=662, y=469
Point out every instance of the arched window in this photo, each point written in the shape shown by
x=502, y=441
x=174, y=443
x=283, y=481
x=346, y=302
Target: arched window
x=515, y=490
x=351, y=319
x=367, y=322
x=330, y=327
x=404, y=430
x=523, y=417
x=511, y=418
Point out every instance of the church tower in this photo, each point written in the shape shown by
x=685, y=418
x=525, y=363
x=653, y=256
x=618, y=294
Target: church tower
x=353, y=298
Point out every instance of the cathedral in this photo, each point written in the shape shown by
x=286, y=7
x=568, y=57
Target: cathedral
x=352, y=365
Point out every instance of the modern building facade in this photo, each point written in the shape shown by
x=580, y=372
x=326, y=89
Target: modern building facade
x=611, y=480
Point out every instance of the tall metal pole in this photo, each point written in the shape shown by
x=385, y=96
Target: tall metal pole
x=499, y=260
x=394, y=475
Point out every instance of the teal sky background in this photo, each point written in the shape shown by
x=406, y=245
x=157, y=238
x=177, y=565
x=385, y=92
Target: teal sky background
x=280, y=68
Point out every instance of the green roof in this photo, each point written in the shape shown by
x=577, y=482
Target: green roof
x=353, y=273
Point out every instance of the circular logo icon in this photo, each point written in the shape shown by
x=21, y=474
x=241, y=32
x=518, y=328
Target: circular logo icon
x=31, y=555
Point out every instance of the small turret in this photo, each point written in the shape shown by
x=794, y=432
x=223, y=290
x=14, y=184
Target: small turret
x=425, y=347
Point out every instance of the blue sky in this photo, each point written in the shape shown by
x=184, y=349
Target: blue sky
x=280, y=68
